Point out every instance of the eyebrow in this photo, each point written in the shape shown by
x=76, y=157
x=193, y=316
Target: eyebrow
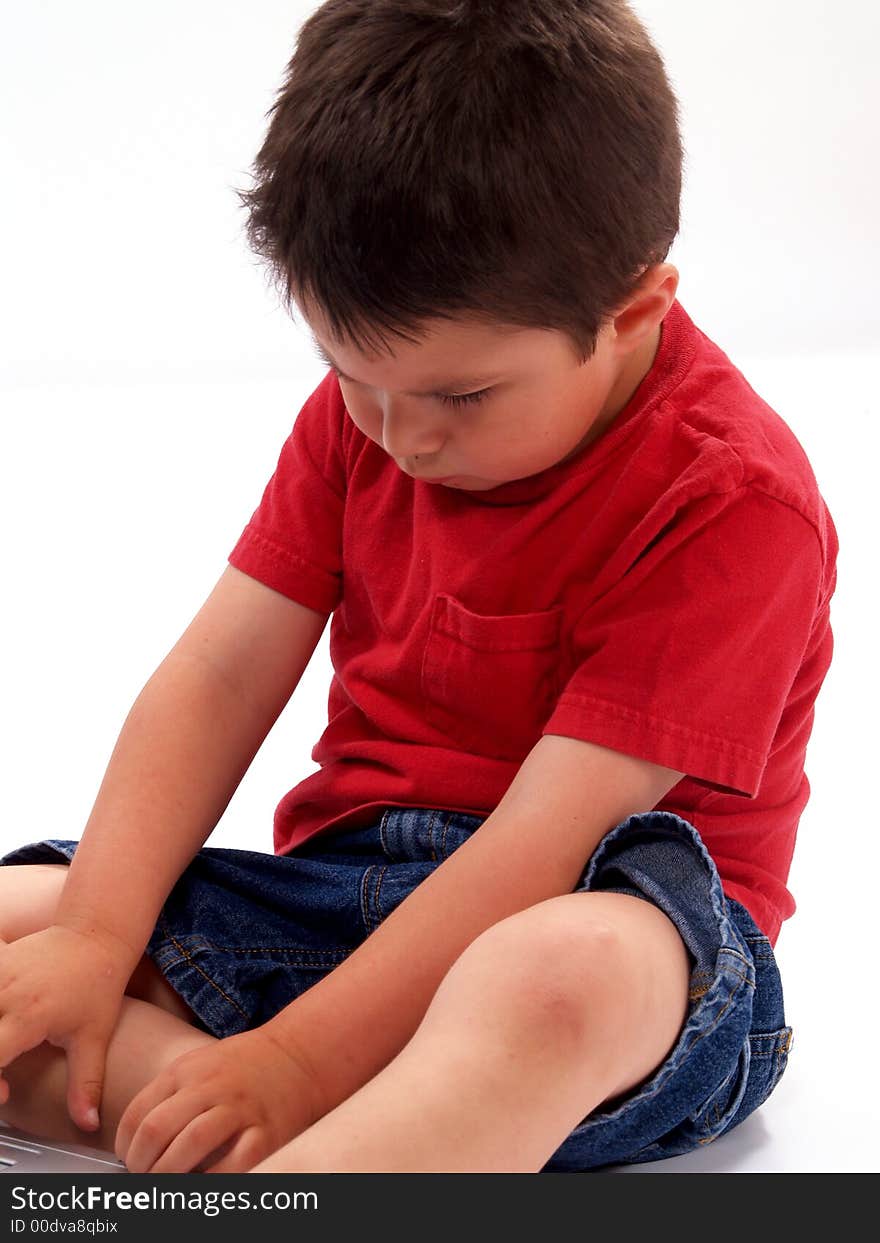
x=437, y=388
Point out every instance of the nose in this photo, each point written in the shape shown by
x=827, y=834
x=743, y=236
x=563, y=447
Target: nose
x=408, y=431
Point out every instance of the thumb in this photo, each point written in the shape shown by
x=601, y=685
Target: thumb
x=85, y=1082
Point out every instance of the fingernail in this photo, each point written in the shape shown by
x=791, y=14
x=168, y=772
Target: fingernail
x=92, y=1118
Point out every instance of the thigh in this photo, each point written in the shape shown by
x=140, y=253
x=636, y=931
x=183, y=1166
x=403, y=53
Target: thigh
x=29, y=896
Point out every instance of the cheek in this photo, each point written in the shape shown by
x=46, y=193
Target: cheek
x=364, y=416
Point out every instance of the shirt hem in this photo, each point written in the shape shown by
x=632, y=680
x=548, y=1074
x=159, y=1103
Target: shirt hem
x=697, y=754
x=282, y=570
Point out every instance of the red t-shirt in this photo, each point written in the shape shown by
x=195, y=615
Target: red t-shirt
x=664, y=593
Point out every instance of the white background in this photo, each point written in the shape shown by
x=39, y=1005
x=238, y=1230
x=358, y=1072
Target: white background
x=148, y=379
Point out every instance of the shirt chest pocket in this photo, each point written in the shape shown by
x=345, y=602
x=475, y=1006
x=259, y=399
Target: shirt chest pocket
x=490, y=683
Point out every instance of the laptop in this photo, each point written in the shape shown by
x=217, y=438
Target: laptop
x=22, y=1153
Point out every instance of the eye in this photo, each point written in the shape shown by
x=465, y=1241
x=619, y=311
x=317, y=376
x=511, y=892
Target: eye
x=464, y=399
x=448, y=399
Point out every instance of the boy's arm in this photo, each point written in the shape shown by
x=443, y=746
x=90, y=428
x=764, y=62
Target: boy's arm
x=186, y=743
x=565, y=797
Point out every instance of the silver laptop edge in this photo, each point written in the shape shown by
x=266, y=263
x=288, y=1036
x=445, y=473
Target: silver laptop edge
x=23, y=1153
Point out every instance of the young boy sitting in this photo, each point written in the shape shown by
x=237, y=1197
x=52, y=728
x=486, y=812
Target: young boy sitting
x=522, y=918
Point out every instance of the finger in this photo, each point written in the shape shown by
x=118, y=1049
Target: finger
x=161, y=1127
x=201, y=1137
x=149, y=1097
x=249, y=1149
x=86, y=1060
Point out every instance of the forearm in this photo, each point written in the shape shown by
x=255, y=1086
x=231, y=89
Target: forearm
x=349, y=1025
x=182, y=751
x=563, y=800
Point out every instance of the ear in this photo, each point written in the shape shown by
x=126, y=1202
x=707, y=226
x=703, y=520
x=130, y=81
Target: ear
x=648, y=306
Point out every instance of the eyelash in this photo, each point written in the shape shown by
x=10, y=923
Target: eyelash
x=448, y=399
x=465, y=399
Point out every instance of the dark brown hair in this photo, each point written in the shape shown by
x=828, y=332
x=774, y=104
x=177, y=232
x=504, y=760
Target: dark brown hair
x=517, y=162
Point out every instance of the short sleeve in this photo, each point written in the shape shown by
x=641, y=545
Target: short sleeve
x=688, y=660
x=293, y=541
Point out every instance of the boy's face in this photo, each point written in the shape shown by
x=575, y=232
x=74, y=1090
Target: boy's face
x=536, y=404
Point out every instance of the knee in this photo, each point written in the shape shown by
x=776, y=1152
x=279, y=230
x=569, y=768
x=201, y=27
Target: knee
x=548, y=972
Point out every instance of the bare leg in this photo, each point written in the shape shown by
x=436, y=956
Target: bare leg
x=145, y=1041
x=29, y=895
x=155, y=1027
x=546, y=1015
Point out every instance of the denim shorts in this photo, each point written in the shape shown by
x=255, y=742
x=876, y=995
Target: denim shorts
x=243, y=933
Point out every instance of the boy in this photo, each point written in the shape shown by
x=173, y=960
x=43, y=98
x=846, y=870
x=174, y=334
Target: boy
x=579, y=573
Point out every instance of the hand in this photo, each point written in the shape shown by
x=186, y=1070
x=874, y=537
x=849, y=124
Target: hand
x=64, y=987
x=231, y=1103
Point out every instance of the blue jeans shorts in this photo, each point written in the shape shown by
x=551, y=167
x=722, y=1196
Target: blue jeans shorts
x=243, y=933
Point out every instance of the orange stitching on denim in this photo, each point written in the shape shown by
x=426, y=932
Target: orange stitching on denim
x=365, y=902
x=376, y=888
x=431, y=834
x=192, y=963
x=739, y=975
x=754, y=942
x=443, y=835
x=781, y=1047
x=735, y=954
x=278, y=949
x=699, y=990
x=698, y=987
x=721, y=1012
